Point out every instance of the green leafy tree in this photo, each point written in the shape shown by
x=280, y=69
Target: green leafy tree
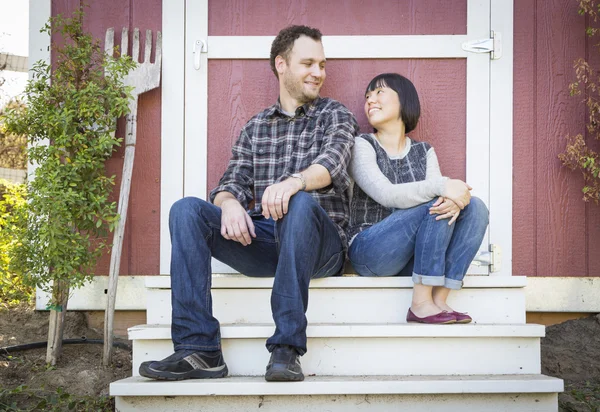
x=13, y=221
x=70, y=117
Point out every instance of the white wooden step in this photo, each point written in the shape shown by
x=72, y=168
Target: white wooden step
x=371, y=349
x=530, y=393
x=347, y=299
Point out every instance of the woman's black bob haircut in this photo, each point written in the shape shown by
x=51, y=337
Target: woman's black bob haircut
x=410, y=108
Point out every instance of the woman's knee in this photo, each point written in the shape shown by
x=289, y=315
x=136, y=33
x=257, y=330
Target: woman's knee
x=478, y=210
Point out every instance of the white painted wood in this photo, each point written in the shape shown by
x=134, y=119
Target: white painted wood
x=348, y=305
x=478, y=103
x=172, y=119
x=553, y=294
x=332, y=385
x=347, y=281
x=346, y=47
x=383, y=330
x=131, y=295
x=196, y=101
x=534, y=402
x=543, y=294
x=373, y=355
x=501, y=135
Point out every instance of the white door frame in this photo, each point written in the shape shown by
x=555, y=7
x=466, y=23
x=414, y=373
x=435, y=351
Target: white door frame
x=489, y=103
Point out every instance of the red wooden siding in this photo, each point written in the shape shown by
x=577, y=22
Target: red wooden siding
x=141, y=243
x=337, y=17
x=239, y=89
x=554, y=232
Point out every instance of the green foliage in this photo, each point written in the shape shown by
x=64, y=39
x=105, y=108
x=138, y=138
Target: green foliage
x=23, y=399
x=13, y=147
x=578, y=155
x=13, y=221
x=69, y=120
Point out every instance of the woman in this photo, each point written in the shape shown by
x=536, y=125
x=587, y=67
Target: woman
x=396, y=214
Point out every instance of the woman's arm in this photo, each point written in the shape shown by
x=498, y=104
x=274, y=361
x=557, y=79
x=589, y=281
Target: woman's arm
x=368, y=176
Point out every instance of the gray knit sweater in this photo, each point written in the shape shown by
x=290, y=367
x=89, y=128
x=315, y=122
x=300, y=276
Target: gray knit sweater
x=384, y=184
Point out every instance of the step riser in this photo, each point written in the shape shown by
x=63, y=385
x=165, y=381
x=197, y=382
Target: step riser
x=494, y=306
x=376, y=356
x=344, y=403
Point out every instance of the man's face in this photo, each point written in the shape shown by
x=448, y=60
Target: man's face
x=304, y=72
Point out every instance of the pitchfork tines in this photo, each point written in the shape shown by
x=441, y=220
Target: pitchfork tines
x=146, y=75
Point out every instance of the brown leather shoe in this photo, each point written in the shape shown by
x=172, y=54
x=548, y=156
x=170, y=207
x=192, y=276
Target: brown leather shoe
x=442, y=318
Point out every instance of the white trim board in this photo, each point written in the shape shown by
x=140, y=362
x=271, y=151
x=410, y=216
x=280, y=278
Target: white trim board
x=543, y=294
x=346, y=47
x=131, y=295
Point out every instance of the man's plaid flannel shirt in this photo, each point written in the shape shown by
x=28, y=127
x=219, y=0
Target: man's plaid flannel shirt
x=272, y=146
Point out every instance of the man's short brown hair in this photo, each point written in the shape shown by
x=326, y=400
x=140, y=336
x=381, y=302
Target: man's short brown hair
x=284, y=42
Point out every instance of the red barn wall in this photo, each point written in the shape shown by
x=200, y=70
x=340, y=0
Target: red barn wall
x=554, y=232
x=141, y=243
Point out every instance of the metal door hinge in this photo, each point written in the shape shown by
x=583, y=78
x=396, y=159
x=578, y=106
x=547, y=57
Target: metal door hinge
x=493, y=258
x=493, y=45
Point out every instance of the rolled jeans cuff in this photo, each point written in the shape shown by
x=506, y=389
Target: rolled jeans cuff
x=428, y=280
x=453, y=284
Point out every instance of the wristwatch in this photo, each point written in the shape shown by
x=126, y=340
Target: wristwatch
x=302, y=179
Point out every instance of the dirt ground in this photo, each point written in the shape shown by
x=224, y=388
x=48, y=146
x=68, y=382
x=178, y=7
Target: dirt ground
x=570, y=350
x=79, y=372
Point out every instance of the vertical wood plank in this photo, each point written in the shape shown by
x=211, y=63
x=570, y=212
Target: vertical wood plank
x=560, y=215
x=592, y=210
x=524, y=133
x=144, y=215
x=100, y=16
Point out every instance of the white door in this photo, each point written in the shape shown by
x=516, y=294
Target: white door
x=193, y=62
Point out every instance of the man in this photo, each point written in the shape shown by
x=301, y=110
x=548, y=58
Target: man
x=291, y=160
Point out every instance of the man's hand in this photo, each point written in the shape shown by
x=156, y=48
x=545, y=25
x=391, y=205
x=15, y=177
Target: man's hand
x=446, y=209
x=276, y=198
x=236, y=224
x=458, y=191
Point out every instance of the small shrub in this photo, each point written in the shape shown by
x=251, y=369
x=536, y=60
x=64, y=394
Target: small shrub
x=13, y=221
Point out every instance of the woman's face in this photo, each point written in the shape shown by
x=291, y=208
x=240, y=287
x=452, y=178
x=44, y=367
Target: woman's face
x=382, y=105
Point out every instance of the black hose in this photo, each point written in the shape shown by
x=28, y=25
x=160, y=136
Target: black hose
x=37, y=345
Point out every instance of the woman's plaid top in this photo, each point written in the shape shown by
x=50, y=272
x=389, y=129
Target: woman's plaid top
x=273, y=145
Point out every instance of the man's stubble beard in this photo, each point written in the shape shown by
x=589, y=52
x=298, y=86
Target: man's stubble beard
x=296, y=89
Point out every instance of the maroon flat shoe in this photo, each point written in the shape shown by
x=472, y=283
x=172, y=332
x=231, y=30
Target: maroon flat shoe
x=439, y=318
x=461, y=317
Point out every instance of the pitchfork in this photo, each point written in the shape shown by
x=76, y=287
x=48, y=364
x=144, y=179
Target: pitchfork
x=145, y=76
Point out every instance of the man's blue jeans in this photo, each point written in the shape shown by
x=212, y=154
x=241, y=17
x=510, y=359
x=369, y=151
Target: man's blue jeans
x=304, y=244
x=440, y=253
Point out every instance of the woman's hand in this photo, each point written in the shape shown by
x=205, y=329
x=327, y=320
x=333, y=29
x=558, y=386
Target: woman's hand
x=458, y=191
x=446, y=209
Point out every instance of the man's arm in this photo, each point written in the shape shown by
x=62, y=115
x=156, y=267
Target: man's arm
x=328, y=168
x=234, y=192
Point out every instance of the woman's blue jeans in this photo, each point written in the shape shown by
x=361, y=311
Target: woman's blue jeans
x=304, y=244
x=440, y=253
